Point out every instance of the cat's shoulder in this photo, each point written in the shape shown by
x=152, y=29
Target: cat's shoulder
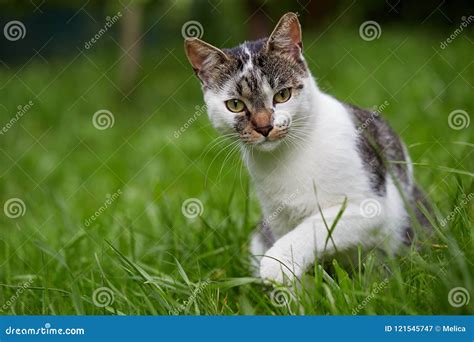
x=379, y=145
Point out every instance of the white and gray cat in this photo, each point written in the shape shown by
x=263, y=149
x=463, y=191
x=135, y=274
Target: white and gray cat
x=324, y=170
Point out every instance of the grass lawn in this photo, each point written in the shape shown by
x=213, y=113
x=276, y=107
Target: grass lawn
x=140, y=255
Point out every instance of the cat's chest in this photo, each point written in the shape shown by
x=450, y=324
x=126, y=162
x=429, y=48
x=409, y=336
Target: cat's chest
x=287, y=195
x=287, y=211
x=294, y=189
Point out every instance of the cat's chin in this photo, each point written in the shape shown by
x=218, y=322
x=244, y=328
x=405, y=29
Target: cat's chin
x=267, y=146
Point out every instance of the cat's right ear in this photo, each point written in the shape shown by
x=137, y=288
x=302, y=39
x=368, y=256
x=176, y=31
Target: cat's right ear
x=203, y=57
x=286, y=37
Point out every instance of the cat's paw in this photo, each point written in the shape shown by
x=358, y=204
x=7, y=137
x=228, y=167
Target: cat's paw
x=277, y=267
x=271, y=271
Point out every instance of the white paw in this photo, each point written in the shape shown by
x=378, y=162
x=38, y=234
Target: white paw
x=276, y=267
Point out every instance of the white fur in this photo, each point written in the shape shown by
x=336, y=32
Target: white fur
x=322, y=169
x=249, y=65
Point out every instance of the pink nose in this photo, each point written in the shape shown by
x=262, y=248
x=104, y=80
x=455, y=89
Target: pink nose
x=265, y=130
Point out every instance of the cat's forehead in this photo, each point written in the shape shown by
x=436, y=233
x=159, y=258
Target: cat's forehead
x=247, y=50
x=252, y=71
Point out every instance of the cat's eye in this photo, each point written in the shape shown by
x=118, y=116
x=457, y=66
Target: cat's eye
x=282, y=96
x=235, y=105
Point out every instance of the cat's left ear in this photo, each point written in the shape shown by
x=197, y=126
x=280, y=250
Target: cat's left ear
x=286, y=37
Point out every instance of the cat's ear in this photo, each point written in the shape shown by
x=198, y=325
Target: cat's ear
x=286, y=37
x=203, y=57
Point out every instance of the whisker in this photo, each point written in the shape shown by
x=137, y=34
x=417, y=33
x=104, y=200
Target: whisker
x=215, y=142
x=229, y=154
x=226, y=148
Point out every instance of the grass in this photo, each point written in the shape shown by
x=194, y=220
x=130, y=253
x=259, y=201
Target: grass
x=150, y=257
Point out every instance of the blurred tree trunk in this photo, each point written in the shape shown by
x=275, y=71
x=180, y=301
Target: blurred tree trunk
x=318, y=12
x=258, y=22
x=130, y=42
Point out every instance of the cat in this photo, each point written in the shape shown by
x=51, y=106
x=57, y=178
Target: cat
x=329, y=176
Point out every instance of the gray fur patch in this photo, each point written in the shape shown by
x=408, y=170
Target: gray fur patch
x=267, y=234
x=378, y=147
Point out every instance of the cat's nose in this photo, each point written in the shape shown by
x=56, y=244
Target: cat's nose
x=264, y=130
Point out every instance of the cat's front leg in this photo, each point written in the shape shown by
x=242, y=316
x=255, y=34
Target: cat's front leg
x=261, y=241
x=296, y=251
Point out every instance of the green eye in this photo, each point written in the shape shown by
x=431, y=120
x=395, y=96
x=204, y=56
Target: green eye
x=235, y=105
x=282, y=96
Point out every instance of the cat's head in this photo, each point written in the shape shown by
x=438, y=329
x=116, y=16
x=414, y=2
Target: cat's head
x=258, y=88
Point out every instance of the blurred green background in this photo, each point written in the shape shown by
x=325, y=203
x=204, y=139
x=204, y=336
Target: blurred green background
x=157, y=149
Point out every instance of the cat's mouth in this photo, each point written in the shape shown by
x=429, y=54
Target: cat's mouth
x=267, y=141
